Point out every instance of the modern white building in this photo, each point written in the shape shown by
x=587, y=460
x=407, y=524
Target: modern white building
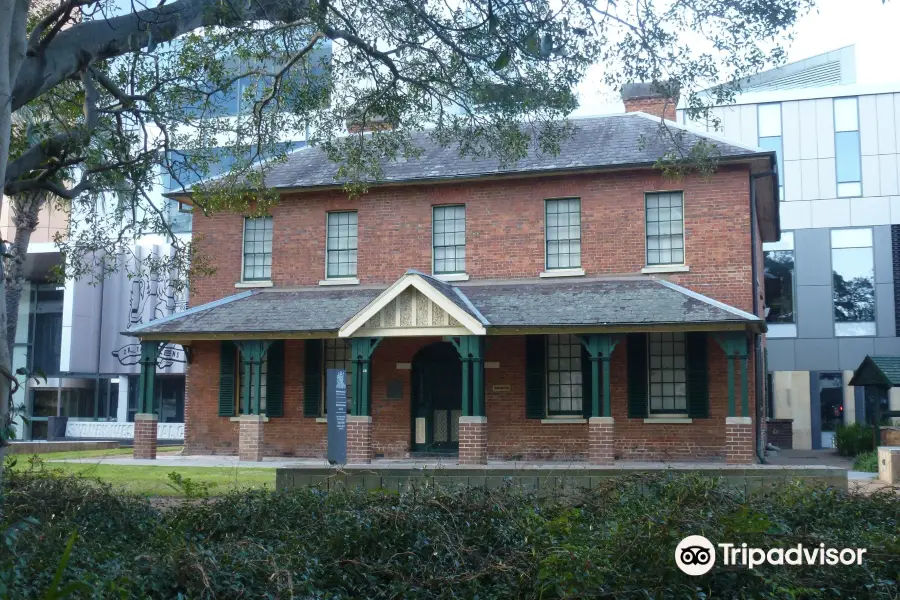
x=833, y=281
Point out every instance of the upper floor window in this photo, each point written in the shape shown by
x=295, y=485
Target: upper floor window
x=449, y=239
x=846, y=147
x=564, y=375
x=853, y=281
x=668, y=373
x=779, y=279
x=257, y=249
x=665, y=228
x=342, y=244
x=769, y=134
x=563, y=233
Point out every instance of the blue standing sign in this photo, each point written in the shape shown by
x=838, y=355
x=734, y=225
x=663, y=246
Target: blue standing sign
x=336, y=404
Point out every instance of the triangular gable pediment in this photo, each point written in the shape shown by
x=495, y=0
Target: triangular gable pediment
x=412, y=306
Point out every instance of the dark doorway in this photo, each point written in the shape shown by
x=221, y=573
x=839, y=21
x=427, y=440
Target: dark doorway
x=436, y=398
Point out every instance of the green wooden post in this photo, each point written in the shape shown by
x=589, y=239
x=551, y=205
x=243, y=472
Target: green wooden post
x=463, y=349
x=362, y=349
x=745, y=394
x=476, y=349
x=149, y=356
x=600, y=348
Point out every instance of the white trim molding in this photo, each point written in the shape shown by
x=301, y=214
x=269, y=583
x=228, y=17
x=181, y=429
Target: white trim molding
x=340, y=281
x=469, y=325
x=452, y=277
x=669, y=420
x=666, y=269
x=562, y=421
x=563, y=273
x=267, y=283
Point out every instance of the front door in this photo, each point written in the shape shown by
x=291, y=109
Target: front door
x=437, y=398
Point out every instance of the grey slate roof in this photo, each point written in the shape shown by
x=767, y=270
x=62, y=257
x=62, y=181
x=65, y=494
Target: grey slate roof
x=526, y=303
x=609, y=141
x=877, y=370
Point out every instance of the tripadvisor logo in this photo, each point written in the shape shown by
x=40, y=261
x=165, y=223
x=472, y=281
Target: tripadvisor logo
x=696, y=555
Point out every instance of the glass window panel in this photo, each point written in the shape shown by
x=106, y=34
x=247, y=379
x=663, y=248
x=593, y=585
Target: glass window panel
x=449, y=239
x=256, y=251
x=851, y=238
x=847, y=159
x=853, y=281
x=563, y=233
x=849, y=190
x=785, y=243
x=664, y=228
x=846, y=114
x=775, y=144
x=667, y=373
x=564, y=375
x=769, y=118
x=342, y=244
x=778, y=274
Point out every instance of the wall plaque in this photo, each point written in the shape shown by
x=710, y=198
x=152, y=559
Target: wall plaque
x=502, y=388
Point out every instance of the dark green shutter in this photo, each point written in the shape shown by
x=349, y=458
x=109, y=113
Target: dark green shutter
x=697, y=375
x=586, y=384
x=535, y=376
x=312, y=384
x=275, y=380
x=638, y=398
x=227, y=352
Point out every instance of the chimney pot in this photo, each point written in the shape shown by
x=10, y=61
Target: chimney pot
x=658, y=98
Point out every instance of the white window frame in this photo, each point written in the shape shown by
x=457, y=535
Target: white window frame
x=254, y=281
x=342, y=278
x=455, y=275
x=663, y=267
x=576, y=268
x=663, y=414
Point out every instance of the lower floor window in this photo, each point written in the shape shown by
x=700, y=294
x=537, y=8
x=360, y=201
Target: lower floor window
x=564, y=392
x=242, y=392
x=668, y=374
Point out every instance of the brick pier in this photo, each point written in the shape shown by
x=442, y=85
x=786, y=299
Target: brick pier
x=145, y=433
x=473, y=440
x=250, y=437
x=359, y=440
x=739, y=441
x=601, y=440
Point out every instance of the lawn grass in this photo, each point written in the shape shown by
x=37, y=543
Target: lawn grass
x=154, y=481
x=149, y=480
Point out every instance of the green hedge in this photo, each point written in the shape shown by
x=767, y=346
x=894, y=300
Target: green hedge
x=854, y=439
x=614, y=542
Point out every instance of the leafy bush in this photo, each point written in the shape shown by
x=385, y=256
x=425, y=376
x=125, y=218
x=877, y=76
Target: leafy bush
x=853, y=439
x=614, y=541
x=867, y=461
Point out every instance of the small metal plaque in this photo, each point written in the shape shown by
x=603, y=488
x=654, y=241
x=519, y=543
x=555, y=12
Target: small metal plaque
x=420, y=430
x=502, y=388
x=394, y=389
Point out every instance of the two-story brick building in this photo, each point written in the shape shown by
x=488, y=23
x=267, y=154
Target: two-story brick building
x=574, y=307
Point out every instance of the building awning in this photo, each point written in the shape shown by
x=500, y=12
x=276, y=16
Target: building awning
x=421, y=305
x=881, y=371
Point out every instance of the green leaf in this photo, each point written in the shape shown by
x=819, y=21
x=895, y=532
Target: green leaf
x=533, y=44
x=502, y=60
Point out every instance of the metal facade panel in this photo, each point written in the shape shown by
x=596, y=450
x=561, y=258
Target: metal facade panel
x=825, y=127
x=816, y=354
x=790, y=130
x=884, y=262
x=827, y=178
x=781, y=354
x=851, y=351
x=887, y=135
x=809, y=179
x=749, y=133
x=813, y=256
x=815, y=311
x=868, y=126
x=884, y=310
x=808, y=137
x=887, y=170
x=793, y=190
x=871, y=181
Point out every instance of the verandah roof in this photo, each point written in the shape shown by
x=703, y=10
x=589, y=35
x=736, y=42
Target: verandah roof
x=881, y=371
x=500, y=307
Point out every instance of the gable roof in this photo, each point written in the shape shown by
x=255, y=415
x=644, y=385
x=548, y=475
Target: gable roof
x=616, y=303
x=610, y=141
x=878, y=370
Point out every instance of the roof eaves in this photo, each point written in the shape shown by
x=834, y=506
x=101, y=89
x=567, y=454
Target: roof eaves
x=704, y=134
x=191, y=311
x=706, y=299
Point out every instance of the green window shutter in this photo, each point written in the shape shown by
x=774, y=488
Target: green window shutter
x=227, y=352
x=638, y=394
x=275, y=380
x=312, y=384
x=586, y=384
x=697, y=375
x=535, y=376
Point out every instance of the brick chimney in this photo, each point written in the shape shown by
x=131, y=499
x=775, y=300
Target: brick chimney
x=657, y=99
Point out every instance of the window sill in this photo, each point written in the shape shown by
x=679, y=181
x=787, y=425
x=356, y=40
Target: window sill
x=251, y=418
x=563, y=273
x=562, y=420
x=781, y=330
x=340, y=281
x=321, y=419
x=452, y=277
x=666, y=269
x=669, y=420
x=254, y=284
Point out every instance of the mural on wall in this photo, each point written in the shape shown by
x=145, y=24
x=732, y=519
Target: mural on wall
x=148, y=301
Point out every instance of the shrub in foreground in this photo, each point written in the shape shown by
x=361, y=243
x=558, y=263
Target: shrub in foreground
x=853, y=439
x=617, y=541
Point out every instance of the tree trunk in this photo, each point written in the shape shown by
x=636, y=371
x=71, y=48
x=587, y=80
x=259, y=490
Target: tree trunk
x=25, y=209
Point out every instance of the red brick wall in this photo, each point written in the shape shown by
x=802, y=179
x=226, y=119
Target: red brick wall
x=505, y=231
x=658, y=107
x=510, y=434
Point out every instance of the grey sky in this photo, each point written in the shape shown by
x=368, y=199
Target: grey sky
x=868, y=24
